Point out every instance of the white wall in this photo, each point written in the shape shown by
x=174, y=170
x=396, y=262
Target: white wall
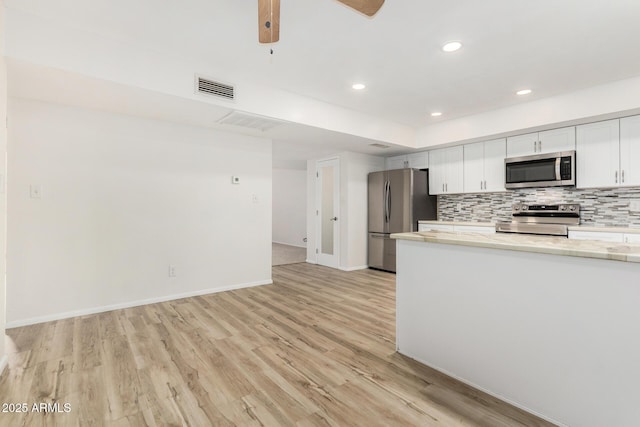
x=290, y=206
x=122, y=198
x=3, y=175
x=358, y=167
x=354, y=170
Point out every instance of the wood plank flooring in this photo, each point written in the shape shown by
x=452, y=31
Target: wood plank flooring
x=316, y=348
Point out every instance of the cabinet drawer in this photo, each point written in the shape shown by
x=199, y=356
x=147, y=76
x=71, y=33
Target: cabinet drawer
x=597, y=235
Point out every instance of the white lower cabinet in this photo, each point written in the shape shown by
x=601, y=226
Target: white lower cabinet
x=605, y=236
x=631, y=238
x=597, y=235
x=475, y=228
x=458, y=227
x=435, y=227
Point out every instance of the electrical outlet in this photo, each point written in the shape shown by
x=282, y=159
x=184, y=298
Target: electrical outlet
x=35, y=191
x=254, y=198
x=172, y=271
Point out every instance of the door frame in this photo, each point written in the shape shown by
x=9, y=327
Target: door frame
x=321, y=259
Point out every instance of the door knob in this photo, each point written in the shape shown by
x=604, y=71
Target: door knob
x=335, y=218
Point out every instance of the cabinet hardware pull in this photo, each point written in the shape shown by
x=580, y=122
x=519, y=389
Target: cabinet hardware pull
x=534, y=147
x=623, y=176
x=616, y=177
x=443, y=188
x=485, y=184
x=446, y=186
x=539, y=146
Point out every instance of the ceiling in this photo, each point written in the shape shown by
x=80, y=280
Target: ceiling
x=550, y=46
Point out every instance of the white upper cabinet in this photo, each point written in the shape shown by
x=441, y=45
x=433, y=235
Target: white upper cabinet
x=474, y=167
x=484, y=166
x=446, y=171
x=549, y=141
x=522, y=145
x=414, y=160
x=630, y=151
x=418, y=160
x=598, y=155
x=395, y=162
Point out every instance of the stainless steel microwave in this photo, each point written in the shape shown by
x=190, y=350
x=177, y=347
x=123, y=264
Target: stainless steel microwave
x=541, y=170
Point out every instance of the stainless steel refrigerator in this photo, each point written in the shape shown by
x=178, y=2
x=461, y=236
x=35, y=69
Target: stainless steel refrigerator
x=398, y=199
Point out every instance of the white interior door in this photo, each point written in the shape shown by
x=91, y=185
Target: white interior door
x=328, y=210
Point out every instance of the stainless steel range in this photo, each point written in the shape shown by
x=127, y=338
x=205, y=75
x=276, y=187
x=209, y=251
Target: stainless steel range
x=551, y=220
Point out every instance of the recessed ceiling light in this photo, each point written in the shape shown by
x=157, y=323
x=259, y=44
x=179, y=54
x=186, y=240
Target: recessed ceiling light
x=358, y=86
x=451, y=46
x=436, y=114
x=523, y=92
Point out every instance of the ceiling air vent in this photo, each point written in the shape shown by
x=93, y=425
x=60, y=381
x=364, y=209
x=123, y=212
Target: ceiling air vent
x=211, y=87
x=380, y=145
x=245, y=120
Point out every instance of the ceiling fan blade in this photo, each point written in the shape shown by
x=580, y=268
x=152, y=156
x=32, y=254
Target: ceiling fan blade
x=368, y=7
x=268, y=21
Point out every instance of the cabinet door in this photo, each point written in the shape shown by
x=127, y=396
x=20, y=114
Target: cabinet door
x=473, y=167
x=563, y=139
x=598, y=154
x=631, y=238
x=522, y=145
x=454, y=170
x=494, y=154
x=396, y=162
x=418, y=160
x=630, y=151
x=436, y=171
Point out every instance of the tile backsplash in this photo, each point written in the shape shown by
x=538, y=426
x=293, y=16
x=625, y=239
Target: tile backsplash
x=610, y=207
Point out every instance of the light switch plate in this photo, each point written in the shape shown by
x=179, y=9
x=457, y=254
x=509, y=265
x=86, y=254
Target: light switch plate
x=235, y=180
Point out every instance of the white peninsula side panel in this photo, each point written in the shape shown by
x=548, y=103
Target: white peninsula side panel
x=554, y=335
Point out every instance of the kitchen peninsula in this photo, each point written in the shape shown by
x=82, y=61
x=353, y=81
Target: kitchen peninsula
x=546, y=323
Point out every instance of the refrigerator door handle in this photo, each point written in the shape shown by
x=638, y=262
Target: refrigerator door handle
x=387, y=201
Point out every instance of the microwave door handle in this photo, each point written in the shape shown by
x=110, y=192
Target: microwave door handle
x=558, y=176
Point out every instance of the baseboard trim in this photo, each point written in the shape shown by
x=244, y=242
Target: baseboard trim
x=289, y=244
x=361, y=267
x=310, y=261
x=137, y=303
x=3, y=363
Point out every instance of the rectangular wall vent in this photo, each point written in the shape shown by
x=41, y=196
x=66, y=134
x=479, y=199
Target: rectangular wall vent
x=245, y=120
x=211, y=87
x=377, y=145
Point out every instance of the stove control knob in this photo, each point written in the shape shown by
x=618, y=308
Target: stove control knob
x=516, y=207
x=563, y=208
x=525, y=207
x=572, y=208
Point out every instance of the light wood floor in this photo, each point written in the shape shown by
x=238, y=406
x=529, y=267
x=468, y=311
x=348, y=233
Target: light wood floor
x=316, y=348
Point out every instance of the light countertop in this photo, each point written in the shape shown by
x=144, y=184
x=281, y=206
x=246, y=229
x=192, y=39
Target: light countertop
x=477, y=224
x=530, y=243
x=629, y=230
